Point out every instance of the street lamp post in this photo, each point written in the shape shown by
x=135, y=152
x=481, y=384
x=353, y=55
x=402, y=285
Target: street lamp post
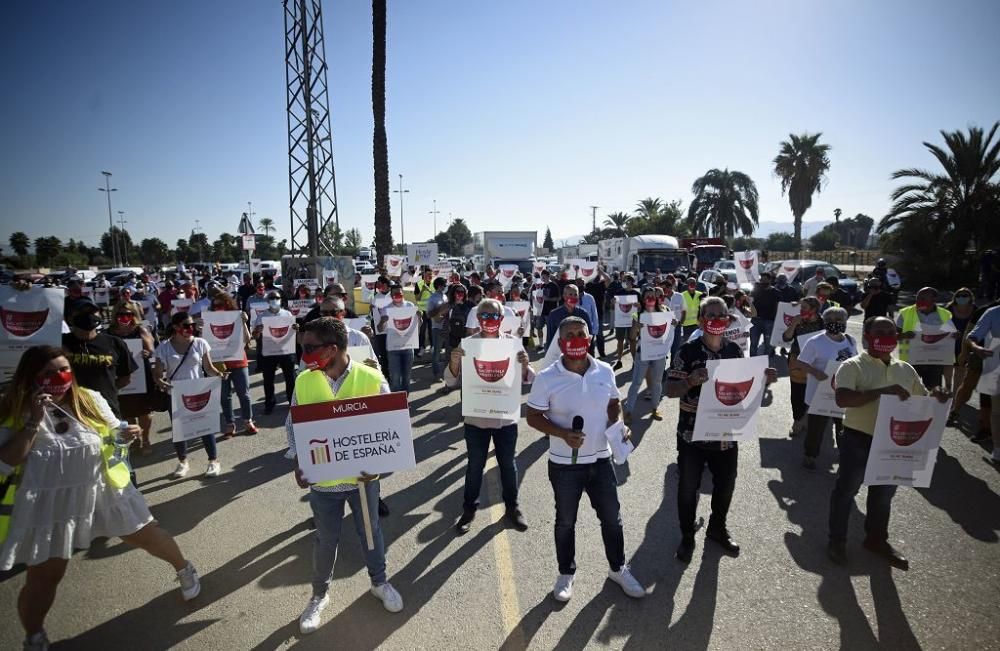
x=400, y=192
x=435, y=213
x=197, y=229
x=121, y=231
x=111, y=224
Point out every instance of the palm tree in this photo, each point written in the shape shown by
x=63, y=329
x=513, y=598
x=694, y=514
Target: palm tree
x=19, y=242
x=958, y=205
x=801, y=164
x=649, y=208
x=618, y=221
x=266, y=224
x=837, y=212
x=380, y=143
x=724, y=202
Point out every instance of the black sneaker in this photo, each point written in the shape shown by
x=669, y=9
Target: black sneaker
x=268, y=409
x=837, y=552
x=722, y=538
x=685, y=549
x=516, y=519
x=383, y=509
x=809, y=463
x=465, y=522
x=617, y=365
x=981, y=435
x=888, y=552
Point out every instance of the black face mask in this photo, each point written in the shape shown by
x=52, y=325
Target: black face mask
x=835, y=327
x=86, y=321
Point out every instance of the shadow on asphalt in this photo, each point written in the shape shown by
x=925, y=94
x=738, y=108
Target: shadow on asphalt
x=967, y=500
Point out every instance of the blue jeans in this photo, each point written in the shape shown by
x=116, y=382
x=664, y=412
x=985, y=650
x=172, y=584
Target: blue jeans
x=400, y=363
x=239, y=378
x=437, y=341
x=477, y=440
x=760, y=327
x=854, y=448
x=569, y=483
x=328, y=513
x=639, y=368
x=208, y=441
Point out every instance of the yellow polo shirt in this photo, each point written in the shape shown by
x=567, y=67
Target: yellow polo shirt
x=865, y=373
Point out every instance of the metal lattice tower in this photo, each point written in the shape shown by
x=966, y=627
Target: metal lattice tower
x=312, y=189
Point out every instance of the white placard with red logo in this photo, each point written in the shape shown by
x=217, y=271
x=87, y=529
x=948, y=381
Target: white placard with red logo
x=195, y=406
x=505, y=274
x=360, y=354
x=255, y=307
x=329, y=277
x=788, y=269
x=102, y=295
x=254, y=265
x=510, y=325
x=730, y=400
x=538, y=301
x=625, y=307
x=907, y=436
x=422, y=253
x=656, y=335
x=357, y=323
x=587, y=270
x=782, y=319
x=394, y=265
x=249, y=242
x=368, y=287
x=738, y=332
x=180, y=305
x=136, y=381
x=989, y=380
x=491, y=378
x=538, y=267
x=824, y=402
x=441, y=270
x=343, y=438
x=746, y=266
x=299, y=307
x=933, y=345
x=33, y=317
x=523, y=310
x=224, y=333
x=278, y=335
x=402, y=328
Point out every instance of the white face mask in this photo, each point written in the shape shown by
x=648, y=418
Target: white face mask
x=274, y=304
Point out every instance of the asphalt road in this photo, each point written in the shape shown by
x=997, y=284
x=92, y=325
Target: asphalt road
x=491, y=588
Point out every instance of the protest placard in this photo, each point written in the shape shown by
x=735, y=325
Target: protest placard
x=587, y=270
x=195, y=406
x=505, y=274
x=102, y=295
x=824, y=401
x=422, y=253
x=747, y=270
x=782, y=319
x=656, y=335
x=730, y=399
x=32, y=317
x=625, y=307
x=256, y=307
x=394, y=265
x=402, y=329
x=368, y=287
x=278, y=335
x=989, y=379
x=299, y=307
x=523, y=311
x=181, y=305
x=788, y=269
x=933, y=345
x=906, y=440
x=137, y=380
x=224, y=333
x=491, y=378
x=738, y=332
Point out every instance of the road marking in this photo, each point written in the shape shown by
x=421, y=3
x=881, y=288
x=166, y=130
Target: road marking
x=510, y=606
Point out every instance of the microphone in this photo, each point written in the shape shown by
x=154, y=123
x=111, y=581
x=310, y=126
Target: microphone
x=577, y=427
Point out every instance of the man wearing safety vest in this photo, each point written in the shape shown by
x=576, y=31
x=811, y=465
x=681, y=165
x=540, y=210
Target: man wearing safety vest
x=692, y=303
x=922, y=319
x=422, y=291
x=333, y=375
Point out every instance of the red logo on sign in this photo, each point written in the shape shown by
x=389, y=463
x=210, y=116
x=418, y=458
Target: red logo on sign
x=509, y=272
x=183, y=308
x=746, y=264
x=626, y=307
x=933, y=339
x=788, y=318
x=789, y=269
x=23, y=324
x=279, y=333
x=656, y=331
x=402, y=324
x=907, y=432
x=586, y=272
x=491, y=371
x=222, y=330
x=196, y=402
x=732, y=393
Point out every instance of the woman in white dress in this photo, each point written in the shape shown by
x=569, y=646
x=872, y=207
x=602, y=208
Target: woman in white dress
x=61, y=486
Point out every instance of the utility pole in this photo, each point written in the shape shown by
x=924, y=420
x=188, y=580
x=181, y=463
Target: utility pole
x=197, y=229
x=400, y=192
x=435, y=213
x=593, y=216
x=121, y=231
x=111, y=224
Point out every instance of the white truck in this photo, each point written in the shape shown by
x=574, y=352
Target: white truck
x=642, y=253
x=587, y=252
x=507, y=247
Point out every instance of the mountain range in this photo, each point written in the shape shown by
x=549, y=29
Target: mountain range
x=763, y=230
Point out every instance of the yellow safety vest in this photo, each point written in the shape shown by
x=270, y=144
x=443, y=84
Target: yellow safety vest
x=911, y=320
x=312, y=387
x=116, y=471
x=691, y=305
x=423, y=292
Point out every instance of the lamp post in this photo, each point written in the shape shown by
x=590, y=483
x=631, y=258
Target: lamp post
x=111, y=224
x=400, y=192
x=121, y=230
x=435, y=213
x=197, y=229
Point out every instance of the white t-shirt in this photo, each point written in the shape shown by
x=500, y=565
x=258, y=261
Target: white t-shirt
x=562, y=394
x=192, y=368
x=676, y=305
x=821, y=349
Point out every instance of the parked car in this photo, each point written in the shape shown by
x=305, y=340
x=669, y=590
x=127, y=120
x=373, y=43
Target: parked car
x=709, y=276
x=725, y=264
x=807, y=269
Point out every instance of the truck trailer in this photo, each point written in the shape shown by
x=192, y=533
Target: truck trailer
x=642, y=253
x=507, y=247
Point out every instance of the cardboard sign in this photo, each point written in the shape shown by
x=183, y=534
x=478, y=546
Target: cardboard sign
x=655, y=335
x=422, y=253
x=538, y=267
x=746, y=267
x=256, y=307
x=278, y=335
x=523, y=311
x=361, y=353
x=538, y=301
x=907, y=436
x=343, y=438
x=224, y=333
x=587, y=270
x=625, y=307
x=738, y=332
x=33, y=317
x=299, y=307
x=329, y=277
x=441, y=270
x=249, y=242
x=782, y=319
x=933, y=345
x=402, y=328
x=180, y=305
x=824, y=402
x=102, y=295
x=368, y=287
x=357, y=323
x=491, y=378
x=195, y=405
x=730, y=400
x=788, y=269
x=311, y=283
x=136, y=381
x=394, y=265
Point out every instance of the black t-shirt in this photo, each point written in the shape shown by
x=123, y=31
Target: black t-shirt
x=553, y=294
x=765, y=300
x=597, y=289
x=879, y=305
x=99, y=362
x=692, y=356
x=788, y=294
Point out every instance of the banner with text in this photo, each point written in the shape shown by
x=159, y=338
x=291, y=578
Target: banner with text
x=730, y=400
x=422, y=253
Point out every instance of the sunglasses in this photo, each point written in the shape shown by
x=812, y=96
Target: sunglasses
x=312, y=348
x=187, y=326
x=490, y=316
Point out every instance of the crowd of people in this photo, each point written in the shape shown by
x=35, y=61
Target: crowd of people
x=66, y=430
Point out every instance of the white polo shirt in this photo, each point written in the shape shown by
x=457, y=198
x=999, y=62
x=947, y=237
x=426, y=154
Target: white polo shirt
x=562, y=394
x=676, y=305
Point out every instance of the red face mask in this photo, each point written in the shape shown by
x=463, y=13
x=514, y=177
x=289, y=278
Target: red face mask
x=650, y=302
x=459, y=298
x=821, y=298
x=924, y=305
x=260, y=291
x=716, y=326
x=884, y=344
x=124, y=320
x=397, y=298
x=571, y=303
x=807, y=315
x=56, y=384
x=490, y=326
x=314, y=360
x=574, y=347
x=691, y=288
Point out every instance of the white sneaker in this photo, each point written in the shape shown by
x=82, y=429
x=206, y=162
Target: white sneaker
x=564, y=587
x=190, y=584
x=628, y=583
x=391, y=599
x=37, y=642
x=309, y=620
x=214, y=468
x=181, y=470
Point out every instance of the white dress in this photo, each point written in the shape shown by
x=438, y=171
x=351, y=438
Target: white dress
x=62, y=501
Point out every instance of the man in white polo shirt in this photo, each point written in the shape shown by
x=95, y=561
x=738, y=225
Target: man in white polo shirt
x=574, y=401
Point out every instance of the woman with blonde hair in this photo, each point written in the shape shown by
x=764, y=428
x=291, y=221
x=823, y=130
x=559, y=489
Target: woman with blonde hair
x=126, y=323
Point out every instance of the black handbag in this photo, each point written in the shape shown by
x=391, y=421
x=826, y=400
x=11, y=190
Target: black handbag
x=159, y=399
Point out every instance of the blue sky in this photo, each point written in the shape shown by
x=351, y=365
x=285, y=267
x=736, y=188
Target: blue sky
x=515, y=115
